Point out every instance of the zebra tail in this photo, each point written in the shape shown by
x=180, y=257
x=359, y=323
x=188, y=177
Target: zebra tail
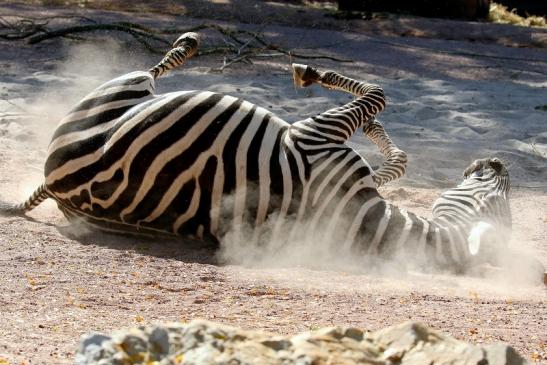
x=32, y=202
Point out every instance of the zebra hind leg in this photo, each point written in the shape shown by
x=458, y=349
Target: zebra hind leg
x=183, y=48
x=32, y=202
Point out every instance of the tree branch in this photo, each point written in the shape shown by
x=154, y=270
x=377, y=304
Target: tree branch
x=241, y=45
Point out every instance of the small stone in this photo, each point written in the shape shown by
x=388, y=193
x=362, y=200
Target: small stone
x=159, y=341
x=134, y=345
x=334, y=332
x=277, y=345
x=354, y=333
x=393, y=355
x=91, y=349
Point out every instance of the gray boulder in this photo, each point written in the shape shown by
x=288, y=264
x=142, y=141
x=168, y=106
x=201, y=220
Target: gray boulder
x=204, y=342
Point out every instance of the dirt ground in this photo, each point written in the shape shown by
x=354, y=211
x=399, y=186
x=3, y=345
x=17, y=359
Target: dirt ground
x=59, y=283
x=56, y=288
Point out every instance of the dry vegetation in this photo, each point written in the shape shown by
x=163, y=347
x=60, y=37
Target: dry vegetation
x=501, y=14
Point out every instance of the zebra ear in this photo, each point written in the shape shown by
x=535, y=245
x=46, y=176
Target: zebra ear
x=478, y=235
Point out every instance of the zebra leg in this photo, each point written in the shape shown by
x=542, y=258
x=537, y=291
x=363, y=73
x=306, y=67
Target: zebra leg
x=304, y=75
x=337, y=125
x=395, y=164
x=32, y=202
x=183, y=48
x=370, y=101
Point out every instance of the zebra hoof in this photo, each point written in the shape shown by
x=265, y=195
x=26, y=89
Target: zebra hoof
x=188, y=40
x=304, y=75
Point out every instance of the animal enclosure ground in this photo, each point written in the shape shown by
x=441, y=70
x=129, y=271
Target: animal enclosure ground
x=449, y=101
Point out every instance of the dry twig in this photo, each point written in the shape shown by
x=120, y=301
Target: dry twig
x=238, y=46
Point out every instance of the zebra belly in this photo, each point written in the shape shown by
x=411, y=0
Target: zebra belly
x=172, y=164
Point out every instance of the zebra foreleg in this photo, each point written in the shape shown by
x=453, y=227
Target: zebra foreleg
x=394, y=165
x=32, y=202
x=183, y=48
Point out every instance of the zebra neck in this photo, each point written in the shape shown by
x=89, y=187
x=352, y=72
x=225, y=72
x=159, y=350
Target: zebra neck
x=421, y=241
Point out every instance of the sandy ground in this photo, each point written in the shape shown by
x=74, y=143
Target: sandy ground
x=451, y=99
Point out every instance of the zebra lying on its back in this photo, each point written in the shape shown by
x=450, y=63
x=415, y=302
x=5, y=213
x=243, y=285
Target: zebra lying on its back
x=202, y=163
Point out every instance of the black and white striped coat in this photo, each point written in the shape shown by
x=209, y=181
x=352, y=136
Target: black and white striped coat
x=203, y=163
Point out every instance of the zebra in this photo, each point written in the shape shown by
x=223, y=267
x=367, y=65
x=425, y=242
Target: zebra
x=199, y=163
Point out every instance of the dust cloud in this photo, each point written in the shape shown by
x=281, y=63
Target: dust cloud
x=293, y=245
x=87, y=66
x=287, y=244
x=50, y=96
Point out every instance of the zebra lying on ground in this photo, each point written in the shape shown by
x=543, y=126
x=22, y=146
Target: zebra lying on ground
x=201, y=163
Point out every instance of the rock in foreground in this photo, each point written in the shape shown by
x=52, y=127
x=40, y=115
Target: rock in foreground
x=204, y=342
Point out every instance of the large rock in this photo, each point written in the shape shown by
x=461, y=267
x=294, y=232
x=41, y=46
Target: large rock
x=204, y=342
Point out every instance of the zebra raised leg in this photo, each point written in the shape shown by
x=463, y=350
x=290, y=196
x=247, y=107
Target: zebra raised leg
x=394, y=165
x=360, y=112
x=183, y=48
x=336, y=125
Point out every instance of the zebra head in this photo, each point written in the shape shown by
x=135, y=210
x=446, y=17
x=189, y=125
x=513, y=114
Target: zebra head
x=480, y=206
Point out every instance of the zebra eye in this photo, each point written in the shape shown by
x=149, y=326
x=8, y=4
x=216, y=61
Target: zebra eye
x=477, y=173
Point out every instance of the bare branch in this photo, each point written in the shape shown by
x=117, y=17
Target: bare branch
x=239, y=45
